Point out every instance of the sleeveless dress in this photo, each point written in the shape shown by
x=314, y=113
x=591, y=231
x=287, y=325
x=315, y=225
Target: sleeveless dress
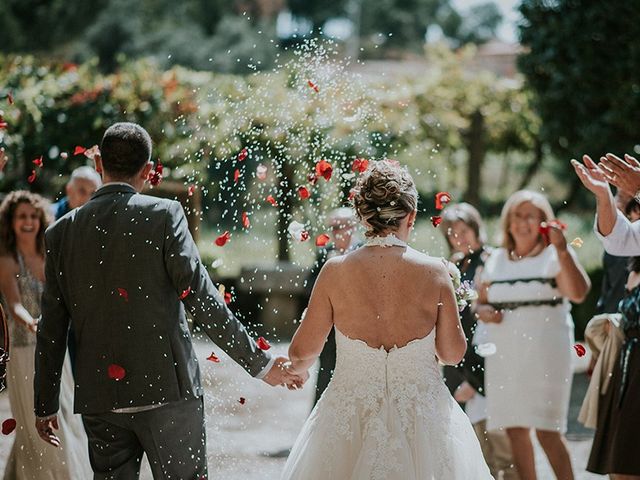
x=528, y=379
x=386, y=415
x=31, y=458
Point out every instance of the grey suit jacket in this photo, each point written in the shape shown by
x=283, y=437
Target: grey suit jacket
x=115, y=270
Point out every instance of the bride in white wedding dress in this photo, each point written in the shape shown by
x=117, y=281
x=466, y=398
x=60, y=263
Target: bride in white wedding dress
x=386, y=413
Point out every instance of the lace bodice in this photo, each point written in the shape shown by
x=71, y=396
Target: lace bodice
x=31, y=295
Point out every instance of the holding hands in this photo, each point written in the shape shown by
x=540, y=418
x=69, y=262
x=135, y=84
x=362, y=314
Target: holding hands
x=282, y=374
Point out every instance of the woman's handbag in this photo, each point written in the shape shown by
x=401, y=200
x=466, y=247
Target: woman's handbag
x=4, y=349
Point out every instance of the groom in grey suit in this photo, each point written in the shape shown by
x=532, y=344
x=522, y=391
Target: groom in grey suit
x=120, y=270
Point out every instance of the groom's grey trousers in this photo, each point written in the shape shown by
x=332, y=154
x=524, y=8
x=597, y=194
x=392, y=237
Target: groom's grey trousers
x=172, y=436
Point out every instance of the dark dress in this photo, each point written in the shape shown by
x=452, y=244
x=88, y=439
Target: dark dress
x=614, y=278
x=471, y=368
x=615, y=447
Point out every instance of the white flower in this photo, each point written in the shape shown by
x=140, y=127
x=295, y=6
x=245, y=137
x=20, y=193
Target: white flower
x=297, y=231
x=454, y=273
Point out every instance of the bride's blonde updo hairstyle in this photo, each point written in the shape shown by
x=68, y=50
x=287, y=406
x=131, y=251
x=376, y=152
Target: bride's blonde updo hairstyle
x=384, y=195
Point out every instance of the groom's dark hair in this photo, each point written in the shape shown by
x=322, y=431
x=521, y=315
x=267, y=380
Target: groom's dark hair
x=125, y=149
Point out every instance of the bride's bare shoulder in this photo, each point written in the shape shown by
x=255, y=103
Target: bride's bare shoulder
x=433, y=265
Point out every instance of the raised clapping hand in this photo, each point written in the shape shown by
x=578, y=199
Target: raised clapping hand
x=592, y=176
x=281, y=374
x=623, y=174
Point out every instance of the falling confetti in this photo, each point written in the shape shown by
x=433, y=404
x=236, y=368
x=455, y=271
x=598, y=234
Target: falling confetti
x=244, y=153
x=442, y=198
x=92, y=152
x=263, y=344
x=242, y=400
x=32, y=177
x=272, y=200
x=190, y=190
x=155, y=176
x=124, y=294
x=313, y=86
x=577, y=242
x=227, y=298
x=223, y=239
x=297, y=231
x=304, y=193
x=38, y=162
x=116, y=372
x=324, y=169
x=436, y=220
x=213, y=358
x=8, y=426
x=64, y=155
x=360, y=165
x=580, y=350
x=322, y=240
x=486, y=349
x=79, y=150
x=185, y=293
x=3, y=123
x=245, y=220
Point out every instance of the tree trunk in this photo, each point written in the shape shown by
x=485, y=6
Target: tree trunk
x=474, y=138
x=534, y=166
x=285, y=209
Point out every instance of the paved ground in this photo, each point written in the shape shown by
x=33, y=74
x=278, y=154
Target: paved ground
x=239, y=435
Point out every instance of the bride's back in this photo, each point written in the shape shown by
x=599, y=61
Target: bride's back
x=385, y=296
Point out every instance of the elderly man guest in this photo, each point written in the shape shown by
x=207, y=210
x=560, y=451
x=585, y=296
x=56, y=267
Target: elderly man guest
x=83, y=183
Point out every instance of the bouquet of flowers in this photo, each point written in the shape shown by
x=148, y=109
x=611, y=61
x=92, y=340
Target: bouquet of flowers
x=465, y=293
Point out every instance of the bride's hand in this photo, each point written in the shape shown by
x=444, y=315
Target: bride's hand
x=280, y=374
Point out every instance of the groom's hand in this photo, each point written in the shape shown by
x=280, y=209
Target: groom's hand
x=45, y=427
x=279, y=375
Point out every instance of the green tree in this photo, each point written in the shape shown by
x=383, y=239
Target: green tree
x=582, y=64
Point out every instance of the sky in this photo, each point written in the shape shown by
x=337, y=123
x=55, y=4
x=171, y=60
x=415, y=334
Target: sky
x=508, y=30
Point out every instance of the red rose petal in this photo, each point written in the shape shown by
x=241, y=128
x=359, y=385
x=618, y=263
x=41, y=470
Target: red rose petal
x=124, y=294
x=38, y=162
x=244, y=153
x=304, y=236
x=324, y=169
x=242, y=400
x=213, y=358
x=223, y=239
x=190, y=190
x=64, y=155
x=245, y=220
x=227, y=298
x=312, y=178
x=185, y=293
x=236, y=176
x=304, y=193
x=442, y=198
x=263, y=344
x=580, y=350
x=155, y=176
x=437, y=220
x=8, y=426
x=360, y=165
x=3, y=124
x=79, y=150
x=313, y=86
x=322, y=240
x=116, y=372
x=272, y=200
x=352, y=194
x=32, y=177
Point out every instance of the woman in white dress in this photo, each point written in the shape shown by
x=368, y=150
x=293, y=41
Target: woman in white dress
x=386, y=413
x=23, y=220
x=528, y=285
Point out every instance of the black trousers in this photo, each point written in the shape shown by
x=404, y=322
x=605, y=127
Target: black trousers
x=172, y=436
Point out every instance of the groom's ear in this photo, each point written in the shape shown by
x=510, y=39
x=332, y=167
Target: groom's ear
x=144, y=173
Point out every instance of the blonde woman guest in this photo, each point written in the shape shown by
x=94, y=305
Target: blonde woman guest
x=23, y=220
x=465, y=233
x=529, y=284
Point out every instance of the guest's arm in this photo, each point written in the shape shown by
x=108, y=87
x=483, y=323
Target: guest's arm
x=573, y=281
x=10, y=291
x=311, y=336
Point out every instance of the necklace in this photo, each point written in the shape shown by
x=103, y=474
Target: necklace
x=389, y=241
